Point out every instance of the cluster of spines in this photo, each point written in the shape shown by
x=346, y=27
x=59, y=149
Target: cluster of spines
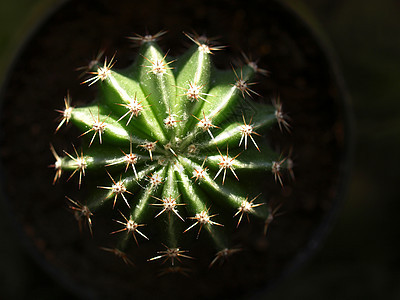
x=169, y=112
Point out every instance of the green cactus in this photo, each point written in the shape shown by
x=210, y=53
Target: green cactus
x=173, y=147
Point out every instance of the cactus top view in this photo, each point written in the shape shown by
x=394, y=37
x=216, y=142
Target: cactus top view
x=174, y=151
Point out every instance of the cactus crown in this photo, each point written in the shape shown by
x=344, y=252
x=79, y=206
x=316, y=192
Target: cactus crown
x=173, y=147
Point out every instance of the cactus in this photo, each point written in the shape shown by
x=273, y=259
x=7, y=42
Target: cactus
x=174, y=152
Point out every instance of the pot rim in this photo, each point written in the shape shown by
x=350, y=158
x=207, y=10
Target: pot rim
x=320, y=234
x=22, y=239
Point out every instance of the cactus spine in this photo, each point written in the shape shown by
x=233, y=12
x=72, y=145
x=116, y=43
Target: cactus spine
x=163, y=140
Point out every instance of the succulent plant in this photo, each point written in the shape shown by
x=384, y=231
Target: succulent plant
x=176, y=150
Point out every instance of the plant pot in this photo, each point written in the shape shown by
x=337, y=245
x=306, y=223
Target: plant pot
x=302, y=72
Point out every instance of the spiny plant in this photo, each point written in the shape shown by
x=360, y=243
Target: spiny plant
x=177, y=150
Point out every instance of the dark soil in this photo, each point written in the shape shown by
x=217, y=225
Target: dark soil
x=300, y=73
